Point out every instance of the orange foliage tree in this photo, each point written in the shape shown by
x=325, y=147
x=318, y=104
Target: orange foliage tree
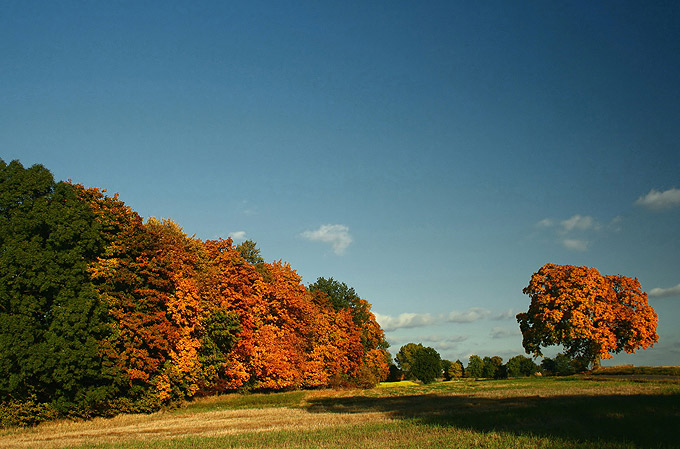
x=591, y=315
x=192, y=316
x=146, y=277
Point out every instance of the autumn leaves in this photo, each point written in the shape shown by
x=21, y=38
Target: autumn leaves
x=591, y=315
x=193, y=316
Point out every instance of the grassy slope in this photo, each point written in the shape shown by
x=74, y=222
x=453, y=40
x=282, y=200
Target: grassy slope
x=516, y=413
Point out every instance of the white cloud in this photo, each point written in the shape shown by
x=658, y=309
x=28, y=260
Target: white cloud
x=545, y=223
x=405, y=321
x=578, y=222
x=411, y=320
x=665, y=292
x=575, y=244
x=337, y=235
x=656, y=200
x=498, y=332
x=468, y=316
x=507, y=315
x=572, y=233
x=238, y=235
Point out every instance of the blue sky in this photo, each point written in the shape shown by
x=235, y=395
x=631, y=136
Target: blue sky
x=432, y=155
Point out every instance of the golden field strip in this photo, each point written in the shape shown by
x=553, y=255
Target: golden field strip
x=573, y=412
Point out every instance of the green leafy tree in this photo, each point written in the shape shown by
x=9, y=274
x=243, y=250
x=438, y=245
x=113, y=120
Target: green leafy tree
x=427, y=365
x=475, y=367
x=51, y=317
x=446, y=365
x=492, y=367
x=562, y=365
x=405, y=358
x=419, y=362
x=520, y=365
x=456, y=370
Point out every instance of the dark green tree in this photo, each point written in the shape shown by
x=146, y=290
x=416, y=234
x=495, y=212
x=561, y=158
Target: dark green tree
x=51, y=318
x=427, y=365
x=563, y=365
x=492, y=367
x=520, y=365
x=475, y=367
x=446, y=365
x=419, y=362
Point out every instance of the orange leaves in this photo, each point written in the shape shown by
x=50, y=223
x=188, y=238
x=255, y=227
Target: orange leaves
x=590, y=314
x=193, y=316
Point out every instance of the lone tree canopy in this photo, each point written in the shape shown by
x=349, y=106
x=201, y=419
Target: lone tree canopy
x=591, y=315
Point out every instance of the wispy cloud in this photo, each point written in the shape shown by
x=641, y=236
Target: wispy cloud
x=238, y=235
x=579, y=222
x=574, y=232
x=335, y=234
x=443, y=343
x=575, y=244
x=439, y=342
x=506, y=315
x=412, y=320
x=499, y=333
x=405, y=321
x=468, y=316
x=656, y=200
x=665, y=292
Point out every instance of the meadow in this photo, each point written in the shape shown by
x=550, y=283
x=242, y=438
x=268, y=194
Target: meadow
x=573, y=412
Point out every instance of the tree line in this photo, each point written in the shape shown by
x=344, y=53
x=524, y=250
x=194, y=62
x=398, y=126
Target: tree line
x=102, y=312
x=424, y=364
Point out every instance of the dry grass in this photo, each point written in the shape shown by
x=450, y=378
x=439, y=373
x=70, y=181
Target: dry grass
x=565, y=413
x=169, y=425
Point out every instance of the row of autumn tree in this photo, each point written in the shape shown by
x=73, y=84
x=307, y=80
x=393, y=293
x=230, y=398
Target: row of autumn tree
x=103, y=312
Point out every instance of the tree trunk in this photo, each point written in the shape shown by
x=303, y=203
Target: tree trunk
x=597, y=363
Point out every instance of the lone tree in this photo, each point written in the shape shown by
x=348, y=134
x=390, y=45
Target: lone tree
x=590, y=315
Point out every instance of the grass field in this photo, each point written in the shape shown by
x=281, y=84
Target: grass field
x=516, y=413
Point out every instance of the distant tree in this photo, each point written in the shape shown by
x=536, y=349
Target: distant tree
x=456, y=370
x=395, y=374
x=405, y=358
x=475, y=367
x=427, y=365
x=590, y=315
x=446, y=364
x=492, y=367
x=562, y=365
x=548, y=366
x=419, y=362
x=520, y=365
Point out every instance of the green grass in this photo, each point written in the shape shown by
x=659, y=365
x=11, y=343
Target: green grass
x=573, y=413
x=403, y=434
x=639, y=370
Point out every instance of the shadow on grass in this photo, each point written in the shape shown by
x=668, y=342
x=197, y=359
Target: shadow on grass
x=648, y=421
